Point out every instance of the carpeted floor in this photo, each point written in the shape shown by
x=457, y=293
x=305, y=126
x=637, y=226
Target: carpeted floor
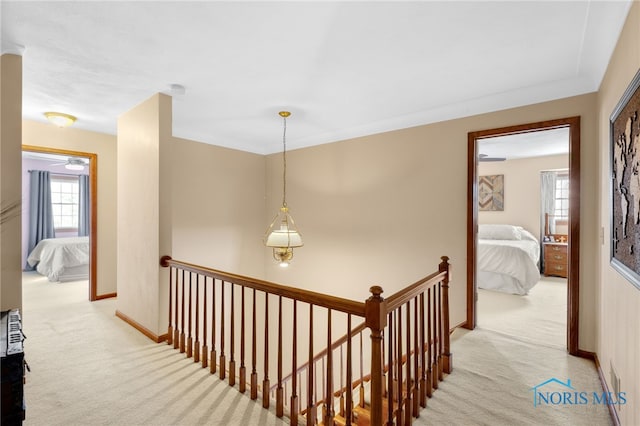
x=90, y=368
x=539, y=317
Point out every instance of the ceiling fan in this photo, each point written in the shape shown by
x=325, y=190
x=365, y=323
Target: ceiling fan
x=486, y=158
x=73, y=164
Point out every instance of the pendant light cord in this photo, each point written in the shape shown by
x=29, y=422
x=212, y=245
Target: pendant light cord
x=284, y=162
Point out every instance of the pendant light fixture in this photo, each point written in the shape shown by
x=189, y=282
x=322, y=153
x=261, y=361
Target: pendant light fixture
x=282, y=235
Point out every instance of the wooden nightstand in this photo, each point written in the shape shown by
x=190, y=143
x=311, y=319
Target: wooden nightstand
x=555, y=259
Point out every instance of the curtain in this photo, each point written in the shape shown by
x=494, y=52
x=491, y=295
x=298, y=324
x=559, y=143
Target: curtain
x=83, y=210
x=548, y=198
x=40, y=211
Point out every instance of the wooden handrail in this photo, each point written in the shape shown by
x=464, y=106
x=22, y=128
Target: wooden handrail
x=403, y=296
x=318, y=299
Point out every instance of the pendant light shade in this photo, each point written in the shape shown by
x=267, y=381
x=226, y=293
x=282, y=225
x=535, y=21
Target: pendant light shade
x=282, y=235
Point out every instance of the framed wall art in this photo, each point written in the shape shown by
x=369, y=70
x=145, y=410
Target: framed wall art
x=491, y=193
x=625, y=183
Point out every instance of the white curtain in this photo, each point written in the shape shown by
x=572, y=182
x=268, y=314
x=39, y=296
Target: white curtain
x=548, y=199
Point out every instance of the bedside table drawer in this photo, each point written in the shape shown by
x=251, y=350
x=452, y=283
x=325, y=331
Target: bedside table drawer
x=557, y=269
x=551, y=256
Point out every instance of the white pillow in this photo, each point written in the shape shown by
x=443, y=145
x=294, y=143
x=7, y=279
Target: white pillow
x=499, y=232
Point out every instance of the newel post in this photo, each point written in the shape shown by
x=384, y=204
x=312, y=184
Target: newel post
x=164, y=262
x=447, y=356
x=376, y=320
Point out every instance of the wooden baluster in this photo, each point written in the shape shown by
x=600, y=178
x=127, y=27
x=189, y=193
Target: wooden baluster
x=328, y=403
x=222, y=372
x=265, y=382
x=408, y=407
x=400, y=410
x=361, y=401
x=341, y=408
x=243, y=369
x=254, y=373
x=423, y=364
x=416, y=357
x=232, y=361
x=196, y=349
x=440, y=334
x=205, y=348
x=213, y=360
x=434, y=325
x=279, y=395
x=170, y=329
x=311, y=403
x=324, y=389
x=293, y=406
x=390, y=387
x=429, y=363
x=190, y=338
x=176, y=332
x=349, y=413
x=448, y=358
x=182, y=324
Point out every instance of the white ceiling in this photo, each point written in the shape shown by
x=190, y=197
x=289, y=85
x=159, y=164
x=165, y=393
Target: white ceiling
x=526, y=145
x=344, y=69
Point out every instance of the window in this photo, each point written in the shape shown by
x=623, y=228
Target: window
x=562, y=197
x=65, y=202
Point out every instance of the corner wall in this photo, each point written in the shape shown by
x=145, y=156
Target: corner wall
x=619, y=314
x=10, y=178
x=144, y=213
x=218, y=207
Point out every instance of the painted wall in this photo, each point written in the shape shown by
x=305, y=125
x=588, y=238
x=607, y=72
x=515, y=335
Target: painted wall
x=619, y=314
x=36, y=164
x=521, y=189
x=104, y=146
x=10, y=137
x=382, y=209
x=144, y=210
x=218, y=207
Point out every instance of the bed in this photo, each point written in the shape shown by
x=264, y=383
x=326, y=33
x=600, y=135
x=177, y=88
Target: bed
x=61, y=259
x=508, y=259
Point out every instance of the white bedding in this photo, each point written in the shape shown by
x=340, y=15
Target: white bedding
x=61, y=259
x=515, y=260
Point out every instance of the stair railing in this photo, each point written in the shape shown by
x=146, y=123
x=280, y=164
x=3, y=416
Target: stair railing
x=403, y=361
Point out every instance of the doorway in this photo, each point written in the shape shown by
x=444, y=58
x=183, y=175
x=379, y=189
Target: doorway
x=93, y=196
x=573, y=125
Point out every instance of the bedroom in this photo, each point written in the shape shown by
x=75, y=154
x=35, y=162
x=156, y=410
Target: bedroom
x=56, y=215
x=518, y=293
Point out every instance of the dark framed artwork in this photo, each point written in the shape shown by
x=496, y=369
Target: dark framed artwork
x=491, y=193
x=625, y=183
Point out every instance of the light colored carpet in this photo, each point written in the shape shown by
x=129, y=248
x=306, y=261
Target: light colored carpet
x=90, y=368
x=539, y=317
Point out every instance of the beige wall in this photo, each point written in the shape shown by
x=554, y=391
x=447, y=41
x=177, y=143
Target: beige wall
x=144, y=211
x=218, y=207
x=104, y=146
x=619, y=313
x=381, y=210
x=10, y=178
x=521, y=189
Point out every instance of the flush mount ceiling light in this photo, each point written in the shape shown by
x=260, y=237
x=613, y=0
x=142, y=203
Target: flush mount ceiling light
x=282, y=235
x=60, y=119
